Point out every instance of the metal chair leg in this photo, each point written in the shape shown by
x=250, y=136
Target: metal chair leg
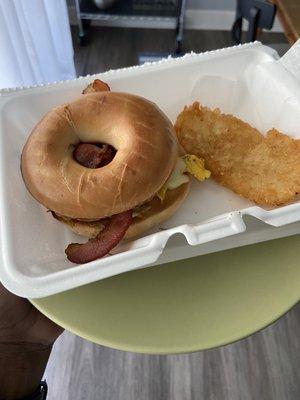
x=180, y=26
x=79, y=21
x=83, y=25
x=259, y=13
x=236, y=31
x=253, y=20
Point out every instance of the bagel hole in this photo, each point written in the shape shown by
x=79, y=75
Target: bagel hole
x=93, y=155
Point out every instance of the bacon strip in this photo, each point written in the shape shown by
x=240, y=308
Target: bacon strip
x=92, y=156
x=96, y=86
x=103, y=243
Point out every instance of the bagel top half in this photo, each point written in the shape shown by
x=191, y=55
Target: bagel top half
x=143, y=136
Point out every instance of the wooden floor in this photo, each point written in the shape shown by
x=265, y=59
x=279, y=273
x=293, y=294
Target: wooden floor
x=112, y=48
x=266, y=366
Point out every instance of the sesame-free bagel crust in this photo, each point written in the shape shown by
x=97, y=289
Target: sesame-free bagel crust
x=146, y=154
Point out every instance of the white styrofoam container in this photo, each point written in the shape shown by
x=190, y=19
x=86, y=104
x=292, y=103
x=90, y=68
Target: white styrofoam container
x=33, y=262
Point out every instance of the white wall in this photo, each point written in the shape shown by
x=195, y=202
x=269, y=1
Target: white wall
x=211, y=4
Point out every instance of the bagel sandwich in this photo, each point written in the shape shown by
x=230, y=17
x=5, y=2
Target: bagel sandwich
x=108, y=165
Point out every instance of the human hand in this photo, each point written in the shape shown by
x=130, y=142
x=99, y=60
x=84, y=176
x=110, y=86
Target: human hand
x=26, y=339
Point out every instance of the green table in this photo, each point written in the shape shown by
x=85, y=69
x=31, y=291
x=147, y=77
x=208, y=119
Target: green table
x=188, y=305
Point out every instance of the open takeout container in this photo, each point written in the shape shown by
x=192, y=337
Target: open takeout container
x=249, y=81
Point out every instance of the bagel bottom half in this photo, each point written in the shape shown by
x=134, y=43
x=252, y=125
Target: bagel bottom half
x=155, y=212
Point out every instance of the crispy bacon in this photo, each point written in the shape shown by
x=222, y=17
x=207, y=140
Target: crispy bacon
x=92, y=156
x=103, y=243
x=96, y=86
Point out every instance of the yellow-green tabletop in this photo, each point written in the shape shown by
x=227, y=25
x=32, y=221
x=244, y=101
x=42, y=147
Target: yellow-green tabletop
x=188, y=305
